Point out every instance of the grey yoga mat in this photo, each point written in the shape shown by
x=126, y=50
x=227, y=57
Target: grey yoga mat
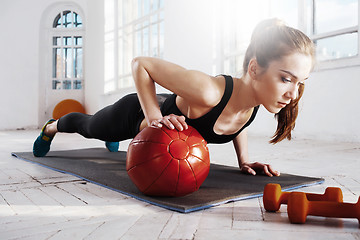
x=223, y=184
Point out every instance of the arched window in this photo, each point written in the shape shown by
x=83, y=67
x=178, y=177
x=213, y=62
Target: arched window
x=67, y=51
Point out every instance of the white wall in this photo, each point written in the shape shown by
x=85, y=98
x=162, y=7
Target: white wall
x=188, y=34
x=20, y=61
x=94, y=56
x=331, y=105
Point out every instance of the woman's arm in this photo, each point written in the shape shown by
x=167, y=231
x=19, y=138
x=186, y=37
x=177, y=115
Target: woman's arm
x=197, y=88
x=241, y=148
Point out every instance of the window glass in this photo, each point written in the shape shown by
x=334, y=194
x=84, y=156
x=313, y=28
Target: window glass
x=78, y=71
x=145, y=41
x=57, y=63
x=140, y=33
x=67, y=59
x=341, y=46
x=78, y=41
x=66, y=84
x=77, y=84
x=138, y=41
x=332, y=15
x=56, y=41
x=139, y=8
x=146, y=7
x=68, y=62
x=77, y=20
x=154, y=18
x=56, y=85
x=67, y=41
x=161, y=39
x=155, y=5
x=308, y=14
x=67, y=19
x=127, y=15
x=57, y=21
x=154, y=40
x=285, y=10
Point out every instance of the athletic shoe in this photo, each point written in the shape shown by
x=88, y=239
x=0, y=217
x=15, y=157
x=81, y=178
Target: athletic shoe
x=42, y=144
x=112, y=146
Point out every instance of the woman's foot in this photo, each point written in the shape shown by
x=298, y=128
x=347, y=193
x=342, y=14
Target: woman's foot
x=42, y=143
x=112, y=146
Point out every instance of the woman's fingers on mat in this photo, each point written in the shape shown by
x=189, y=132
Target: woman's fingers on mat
x=245, y=168
x=266, y=170
x=256, y=167
x=274, y=172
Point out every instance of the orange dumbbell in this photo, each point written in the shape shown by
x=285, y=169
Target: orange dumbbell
x=273, y=196
x=299, y=207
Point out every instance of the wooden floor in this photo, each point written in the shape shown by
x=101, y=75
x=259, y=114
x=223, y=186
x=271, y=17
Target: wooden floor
x=39, y=203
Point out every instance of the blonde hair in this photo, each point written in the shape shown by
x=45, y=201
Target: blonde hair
x=271, y=40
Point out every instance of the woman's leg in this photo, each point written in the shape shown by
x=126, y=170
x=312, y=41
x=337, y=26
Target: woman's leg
x=51, y=129
x=113, y=123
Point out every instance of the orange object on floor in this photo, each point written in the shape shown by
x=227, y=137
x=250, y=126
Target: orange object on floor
x=273, y=196
x=67, y=106
x=299, y=207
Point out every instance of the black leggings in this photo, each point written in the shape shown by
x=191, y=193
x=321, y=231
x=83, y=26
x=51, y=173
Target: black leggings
x=113, y=123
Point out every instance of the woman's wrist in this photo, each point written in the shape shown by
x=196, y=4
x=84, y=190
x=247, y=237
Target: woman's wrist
x=242, y=161
x=154, y=117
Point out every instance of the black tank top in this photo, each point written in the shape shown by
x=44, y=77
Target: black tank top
x=205, y=124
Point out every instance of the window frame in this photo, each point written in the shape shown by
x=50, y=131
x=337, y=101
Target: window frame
x=331, y=63
x=147, y=24
x=64, y=32
x=304, y=22
x=121, y=37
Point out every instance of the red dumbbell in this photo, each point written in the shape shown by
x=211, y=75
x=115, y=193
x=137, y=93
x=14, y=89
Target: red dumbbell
x=273, y=196
x=299, y=207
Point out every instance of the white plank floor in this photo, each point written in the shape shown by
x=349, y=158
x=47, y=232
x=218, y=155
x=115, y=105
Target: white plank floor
x=38, y=203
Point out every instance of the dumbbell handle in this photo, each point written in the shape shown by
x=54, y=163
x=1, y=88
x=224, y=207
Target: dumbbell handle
x=334, y=209
x=310, y=196
x=299, y=207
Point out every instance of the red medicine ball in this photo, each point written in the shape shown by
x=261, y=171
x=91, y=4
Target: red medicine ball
x=164, y=162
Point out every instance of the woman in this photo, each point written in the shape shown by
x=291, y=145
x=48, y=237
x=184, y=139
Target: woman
x=277, y=61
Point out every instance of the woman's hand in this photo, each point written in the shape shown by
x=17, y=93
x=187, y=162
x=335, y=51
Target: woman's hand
x=256, y=167
x=171, y=121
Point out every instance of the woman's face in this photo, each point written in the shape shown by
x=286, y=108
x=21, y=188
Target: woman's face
x=277, y=85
